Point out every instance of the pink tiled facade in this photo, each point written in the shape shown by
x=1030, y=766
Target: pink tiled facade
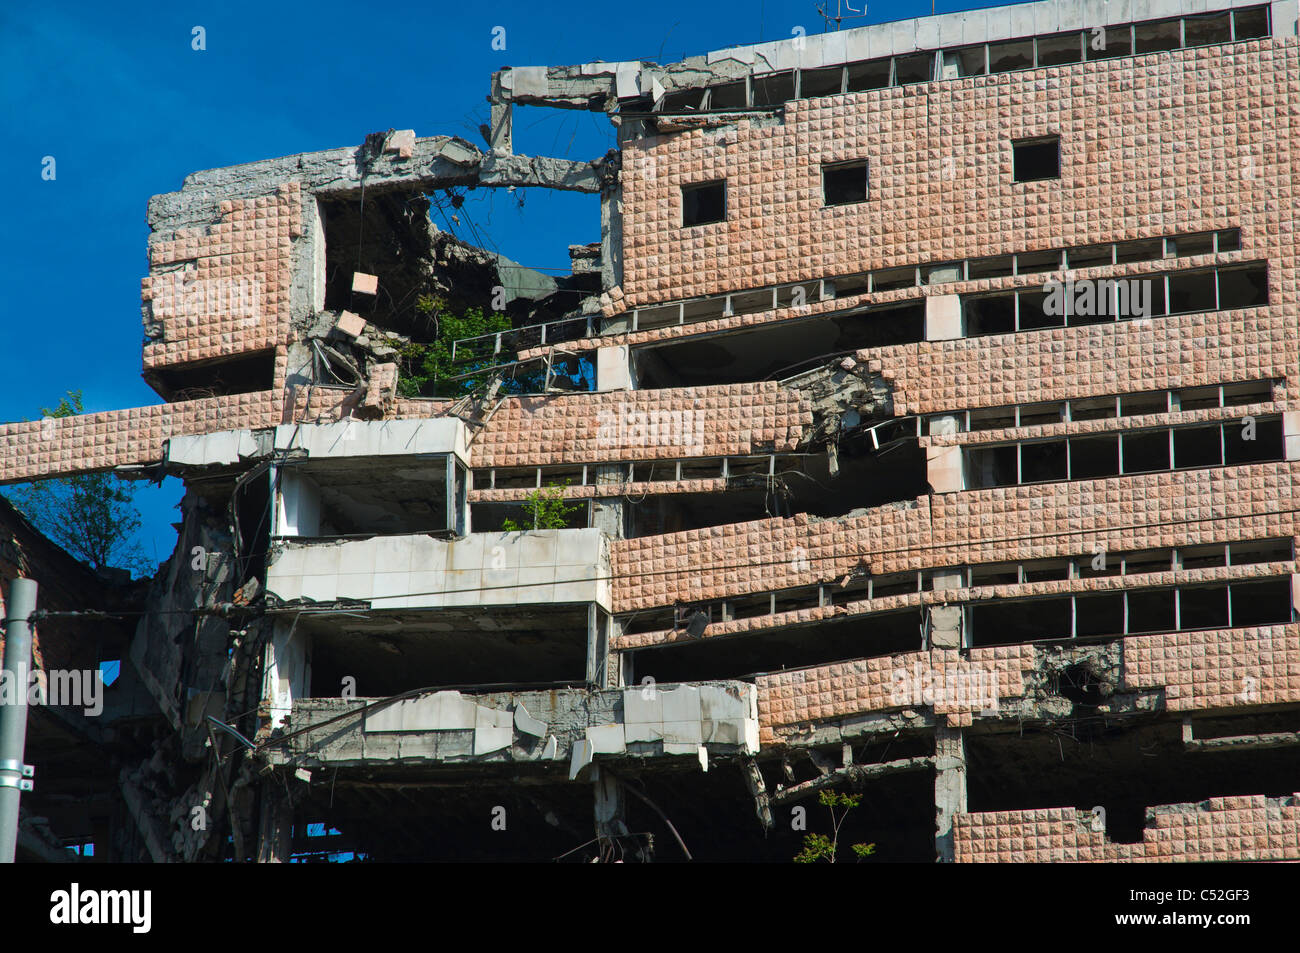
x=1214, y=669
x=223, y=290
x=1220, y=829
x=1210, y=143
x=1012, y=523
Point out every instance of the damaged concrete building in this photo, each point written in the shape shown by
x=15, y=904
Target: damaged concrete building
x=929, y=415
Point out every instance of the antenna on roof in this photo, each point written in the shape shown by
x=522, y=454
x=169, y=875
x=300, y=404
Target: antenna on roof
x=840, y=7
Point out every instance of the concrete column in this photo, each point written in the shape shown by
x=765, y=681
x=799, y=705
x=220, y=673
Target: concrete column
x=610, y=805
x=500, y=128
x=942, y=317
x=614, y=368
x=943, y=623
x=943, y=465
x=275, y=827
x=607, y=513
x=949, y=787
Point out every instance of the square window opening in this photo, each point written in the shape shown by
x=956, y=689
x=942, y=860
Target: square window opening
x=844, y=183
x=1033, y=160
x=704, y=204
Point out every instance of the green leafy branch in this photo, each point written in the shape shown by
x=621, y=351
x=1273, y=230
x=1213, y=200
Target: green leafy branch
x=818, y=847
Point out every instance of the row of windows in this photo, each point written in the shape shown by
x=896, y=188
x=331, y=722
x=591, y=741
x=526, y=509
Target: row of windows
x=1038, y=262
x=1097, y=456
x=1085, y=566
x=1102, y=301
x=1101, y=408
x=1251, y=602
x=1005, y=56
x=648, y=430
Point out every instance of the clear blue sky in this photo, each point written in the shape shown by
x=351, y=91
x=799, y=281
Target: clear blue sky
x=127, y=108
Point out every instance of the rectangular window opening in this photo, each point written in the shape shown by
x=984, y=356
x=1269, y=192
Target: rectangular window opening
x=844, y=183
x=1059, y=48
x=1011, y=55
x=704, y=204
x=872, y=74
x=916, y=68
x=1036, y=159
x=1157, y=36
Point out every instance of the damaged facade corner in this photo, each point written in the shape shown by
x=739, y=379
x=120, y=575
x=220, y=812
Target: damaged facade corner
x=853, y=508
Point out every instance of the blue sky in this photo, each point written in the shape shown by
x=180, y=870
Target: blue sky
x=116, y=94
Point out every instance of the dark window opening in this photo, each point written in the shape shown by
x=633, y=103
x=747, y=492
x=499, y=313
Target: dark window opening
x=1033, y=312
x=1230, y=240
x=1191, y=291
x=1011, y=55
x=1247, y=393
x=1033, y=262
x=1198, y=243
x=1207, y=28
x=967, y=61
x=1059, y=48
x=1150, y=402
x=997, y=267
x=1146, y=250
x=1261, y=551
x=1108, y=42
x=917, y=68
x=1145, y=452
x=1099, y=614
x=991, y=466
x=1093, y=408
x=889, y=279
x=1202, y=557
x=728, y=96
x=1245, y=286
x=865, y=636
x=1042, y=462
x=1203, y=607
x=1047, y=570
x=778, y=349
x=995, y=574
x=1267, y=602
x=683, y=100
x=1009, y=622
x=243, y=374
x=704, y=204
x=774, y=89
x=991, y=418
x=1197, y=447
x=1151, y=610
x=1252, y=440
x=1036, y=159
x=463, y=647
x=1250, y=24
x=1094, y=458
x=844, y=183
x=872, y=74
x=1157, y=36
x=1088, y=256
x=989, y=314
x=821, y=82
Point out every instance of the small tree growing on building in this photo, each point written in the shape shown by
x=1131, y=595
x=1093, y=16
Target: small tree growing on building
x=818, y=847
x=544, y=508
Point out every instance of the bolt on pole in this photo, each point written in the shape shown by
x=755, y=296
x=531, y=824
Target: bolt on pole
x=13, y=711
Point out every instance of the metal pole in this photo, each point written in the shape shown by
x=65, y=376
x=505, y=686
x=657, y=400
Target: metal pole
x=13, y=711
